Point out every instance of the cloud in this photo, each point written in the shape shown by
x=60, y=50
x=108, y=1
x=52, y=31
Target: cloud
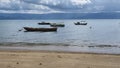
x=106, y=5
x=61, y=4
x=58, y=6
x=9, y=5
x=18, y=6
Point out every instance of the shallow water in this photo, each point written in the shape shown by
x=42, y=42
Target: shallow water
x=99, y=35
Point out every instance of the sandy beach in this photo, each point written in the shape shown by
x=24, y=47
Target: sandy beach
x=46, y=59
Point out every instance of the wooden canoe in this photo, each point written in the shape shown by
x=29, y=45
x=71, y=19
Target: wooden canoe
x=44, y=23
x=57, y=25
x=40, y=29
x=78, y=23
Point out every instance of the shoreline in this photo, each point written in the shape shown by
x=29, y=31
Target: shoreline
x=52, y=59
x=47, y=51
x=57, y=47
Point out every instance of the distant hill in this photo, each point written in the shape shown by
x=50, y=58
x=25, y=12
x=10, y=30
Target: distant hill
x=4, y=16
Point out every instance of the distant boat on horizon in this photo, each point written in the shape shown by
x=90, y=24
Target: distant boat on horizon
x=81, y=23
x=44, y=23
x=57, y=25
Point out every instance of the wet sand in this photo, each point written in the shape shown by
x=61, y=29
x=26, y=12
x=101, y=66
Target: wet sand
x=46, y=59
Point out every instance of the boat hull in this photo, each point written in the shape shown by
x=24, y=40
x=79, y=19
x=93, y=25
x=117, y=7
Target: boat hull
x=57, y=25
x=80, y=23
x=44, y=23
x=40, y=29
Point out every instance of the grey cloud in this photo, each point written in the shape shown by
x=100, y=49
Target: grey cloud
x=61, y=5
x=9, y=6
x=48, y=6
x=106, y=5
x=21, y=6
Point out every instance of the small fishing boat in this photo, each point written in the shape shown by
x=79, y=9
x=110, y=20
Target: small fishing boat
x=40, y=29
x=44, y=23
x=57, y=25
x=81, y=23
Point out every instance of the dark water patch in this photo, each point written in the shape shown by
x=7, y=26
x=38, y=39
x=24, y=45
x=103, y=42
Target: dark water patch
x=75, y=45
x=33, y=44
x=106, y=46
x=91, y=46
x=86, y=40
x=103, y=45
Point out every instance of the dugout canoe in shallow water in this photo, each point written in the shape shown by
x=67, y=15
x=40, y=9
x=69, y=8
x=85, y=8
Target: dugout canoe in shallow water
x=40, y=29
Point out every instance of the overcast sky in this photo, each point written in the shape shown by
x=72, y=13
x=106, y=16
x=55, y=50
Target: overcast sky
x=59, y=6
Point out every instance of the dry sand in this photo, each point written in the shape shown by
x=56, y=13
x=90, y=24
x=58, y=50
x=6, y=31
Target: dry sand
x=40, y=59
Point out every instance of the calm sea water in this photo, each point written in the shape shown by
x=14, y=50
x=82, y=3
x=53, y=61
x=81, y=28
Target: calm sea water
x=102, y=37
